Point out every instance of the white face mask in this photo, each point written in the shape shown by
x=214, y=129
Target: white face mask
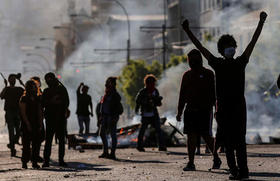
x=229, y=52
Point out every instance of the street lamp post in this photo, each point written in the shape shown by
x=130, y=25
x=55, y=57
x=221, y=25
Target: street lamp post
x=128, y=28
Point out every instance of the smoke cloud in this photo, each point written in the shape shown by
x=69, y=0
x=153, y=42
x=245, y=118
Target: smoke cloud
x=241, y=20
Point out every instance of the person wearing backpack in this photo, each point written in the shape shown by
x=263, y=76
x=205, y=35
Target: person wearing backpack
x=111, y=109
x=147, y=100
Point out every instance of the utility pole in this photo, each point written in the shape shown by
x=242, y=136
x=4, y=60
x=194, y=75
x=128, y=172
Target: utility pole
x=163, y=29
x=163, y=36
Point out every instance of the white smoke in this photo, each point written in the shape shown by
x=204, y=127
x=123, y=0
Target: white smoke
x=107, y=36
x=261, y=73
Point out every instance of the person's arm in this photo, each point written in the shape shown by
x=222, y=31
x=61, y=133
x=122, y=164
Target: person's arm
x=98, y=113
x=65, y=97
x=21, y=82
x=248, y=51
x=79, y=88
x=158, y=101
x=45, y=100
x=138, y=102
x=213, y=92
x=3, y=92
x=22, y=107
x=91, y=107
x=182, y=99
x=207, y=54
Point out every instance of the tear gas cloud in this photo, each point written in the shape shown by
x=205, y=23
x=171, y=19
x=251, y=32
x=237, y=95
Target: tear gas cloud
x=24, y=22
x=263, y=115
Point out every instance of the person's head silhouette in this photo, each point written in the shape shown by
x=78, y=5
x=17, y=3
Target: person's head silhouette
x=195, y=59
x=85, y=89
x=227, y=46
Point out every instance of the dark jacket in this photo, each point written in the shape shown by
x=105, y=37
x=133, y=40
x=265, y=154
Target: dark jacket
x=146, y=102
x=83, y=103
x=55, y=101
x=113, y=105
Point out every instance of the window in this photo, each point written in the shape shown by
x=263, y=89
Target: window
x=202, y=6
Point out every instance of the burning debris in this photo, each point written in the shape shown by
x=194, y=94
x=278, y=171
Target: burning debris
x=128, y=137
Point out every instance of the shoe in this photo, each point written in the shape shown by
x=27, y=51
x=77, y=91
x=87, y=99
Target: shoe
x=104, y=155
x=13, y=152
x=63, y=164
x=24, y=165
x=233, y=174
x=40, y=159
x=45, y=164
x=112, y=156
x=216, y=163
x=233, y=177
x=243, y=175
x=35, y=166
x=140, y=149
x=162, y=149
x=189, y=167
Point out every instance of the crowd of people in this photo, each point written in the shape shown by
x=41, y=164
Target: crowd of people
x=202, y=90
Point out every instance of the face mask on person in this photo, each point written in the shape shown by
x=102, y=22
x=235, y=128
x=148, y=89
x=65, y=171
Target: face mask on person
x=229, y=52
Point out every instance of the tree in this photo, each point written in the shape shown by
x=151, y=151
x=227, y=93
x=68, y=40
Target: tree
x=132, y=75
x=176, y=60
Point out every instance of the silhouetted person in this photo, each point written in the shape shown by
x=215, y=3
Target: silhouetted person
x=55, y=101
x=12, y=95
x=197, y=97
x=231, y=104
x=111, y=109
x=32, y=124
x=83, y=104
x=147, y=100
x=42, y=134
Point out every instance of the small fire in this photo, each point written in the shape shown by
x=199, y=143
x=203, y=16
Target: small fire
x=121, y=131
x=134, y=140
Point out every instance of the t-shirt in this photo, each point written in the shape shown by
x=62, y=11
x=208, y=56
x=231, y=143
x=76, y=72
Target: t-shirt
x=83, y=102
x=197, y=90
x=230, y=77
x=12, y=96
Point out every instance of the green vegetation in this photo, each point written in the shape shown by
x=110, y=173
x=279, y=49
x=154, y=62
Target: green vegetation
x=132, y=75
